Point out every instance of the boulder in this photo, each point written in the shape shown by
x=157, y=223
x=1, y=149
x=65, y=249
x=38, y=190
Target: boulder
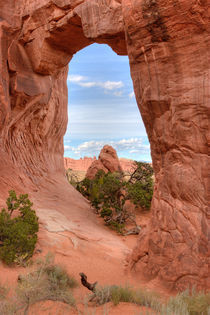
x=107, y=161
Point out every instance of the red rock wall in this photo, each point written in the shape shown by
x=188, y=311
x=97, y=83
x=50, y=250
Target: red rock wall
x=78, y=165
x=167, y=44
x=168, y=48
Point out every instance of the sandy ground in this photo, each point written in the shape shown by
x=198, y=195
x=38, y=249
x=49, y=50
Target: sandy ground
x=81, y=243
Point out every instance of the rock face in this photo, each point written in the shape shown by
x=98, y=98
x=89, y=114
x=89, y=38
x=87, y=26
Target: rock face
x=78, y=165
x=107, y=161
x=167, y=43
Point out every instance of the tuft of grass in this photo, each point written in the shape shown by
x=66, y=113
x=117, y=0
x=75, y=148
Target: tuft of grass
x=118, y=294
x=102, y=295
x=48, y=282
x=59, y=278
x=185, y=303
x=3, y=292
x=8, y=308
x=188, y=303
x=122, y=294
x=148, y=298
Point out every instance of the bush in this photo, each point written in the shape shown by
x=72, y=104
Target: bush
x=140, y=185
x=18, y=235
x=141, y=194
x=108, y=192
x=105, y=192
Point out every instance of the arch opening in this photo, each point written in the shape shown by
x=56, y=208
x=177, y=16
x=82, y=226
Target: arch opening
x=102, y=108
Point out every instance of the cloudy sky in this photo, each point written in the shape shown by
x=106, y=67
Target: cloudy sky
x=101, y=106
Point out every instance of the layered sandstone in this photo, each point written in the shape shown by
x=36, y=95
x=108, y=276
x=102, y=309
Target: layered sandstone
x=167, y=43
x=83, y=164
x=78, y=165
x=107, y=161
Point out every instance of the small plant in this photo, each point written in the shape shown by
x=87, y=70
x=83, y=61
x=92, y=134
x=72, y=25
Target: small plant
x=122, y=294
x=18, y=234
x=48, y=282
x=118, y=294
x=119, y=227
x=186, y=303
x=3, y=292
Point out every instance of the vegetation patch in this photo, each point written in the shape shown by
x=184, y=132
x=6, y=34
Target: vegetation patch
x=18, y=229
x=48, y=282
x=109, y=192
x=185, y=303
x=188, y=303
x=117, y=294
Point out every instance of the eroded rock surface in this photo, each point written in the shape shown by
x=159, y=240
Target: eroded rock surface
x=107, y=161
x=167, y=42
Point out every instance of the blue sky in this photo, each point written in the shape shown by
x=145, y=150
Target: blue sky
x=101, y=106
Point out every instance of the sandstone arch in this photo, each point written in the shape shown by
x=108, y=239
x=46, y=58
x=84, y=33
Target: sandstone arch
x=167, y=45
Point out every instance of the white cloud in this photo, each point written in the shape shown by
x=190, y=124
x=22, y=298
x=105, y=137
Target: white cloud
x=87, y=84
x=67, y=147
x=76, y=78
x=111, y=85
x=90, y=148
x=133, y=151
x=131, y=95
x=107, y=85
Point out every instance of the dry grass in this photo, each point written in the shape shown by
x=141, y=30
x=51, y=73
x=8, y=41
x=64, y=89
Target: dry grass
x=47, y=282
x=185, y=303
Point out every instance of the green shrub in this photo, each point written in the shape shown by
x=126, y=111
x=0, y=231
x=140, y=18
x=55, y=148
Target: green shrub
x=106, y=212
x=105, y=194
x=119, y=227
x=140, y=185
x=108, y=193
x=18, y=235
x=141, y=194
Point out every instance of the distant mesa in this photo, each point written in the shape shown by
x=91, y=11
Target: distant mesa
x=78, y=165
x=83, y=164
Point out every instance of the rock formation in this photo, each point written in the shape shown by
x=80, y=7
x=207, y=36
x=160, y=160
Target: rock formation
x=107, y=161
x=167, y=44
x=78, y=165
x=83, y=164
